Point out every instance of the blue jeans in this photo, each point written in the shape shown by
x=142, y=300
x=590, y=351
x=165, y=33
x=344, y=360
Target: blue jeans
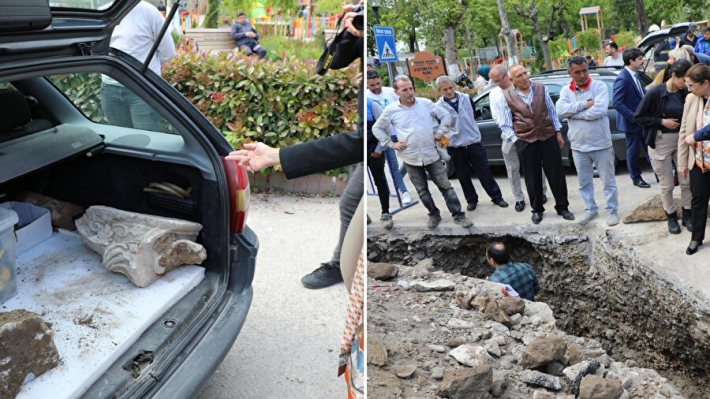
x=437, y=172
x=394, y=171
x=604, y=161
x=122, y=107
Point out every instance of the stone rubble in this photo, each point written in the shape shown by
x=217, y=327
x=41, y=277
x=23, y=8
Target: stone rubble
x=461, y=338
x=27, y=350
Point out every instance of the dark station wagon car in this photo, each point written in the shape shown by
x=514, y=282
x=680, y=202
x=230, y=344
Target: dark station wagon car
x=51, y=64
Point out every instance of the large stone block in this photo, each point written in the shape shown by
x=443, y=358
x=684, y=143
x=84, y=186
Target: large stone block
x=62, y=213
x=543, y=351
x=142, y=247
x=27, y=350
x=600, y=388
x=575, y=374
x=467, y=383
x=651, y=210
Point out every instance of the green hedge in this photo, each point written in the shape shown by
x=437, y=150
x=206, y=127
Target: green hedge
x=278, y=103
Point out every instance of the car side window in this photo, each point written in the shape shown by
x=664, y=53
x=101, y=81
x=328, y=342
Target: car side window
x=554, y=91
x=104, y=100
x=610, y=88
x=483, y=108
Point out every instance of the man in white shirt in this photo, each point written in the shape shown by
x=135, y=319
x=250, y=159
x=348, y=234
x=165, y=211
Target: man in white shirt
x=413, y=121
x=135, y=36
x=499, y=77
x=385, y=96
x=614, y=58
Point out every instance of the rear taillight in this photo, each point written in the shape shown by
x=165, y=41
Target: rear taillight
x=239, y=195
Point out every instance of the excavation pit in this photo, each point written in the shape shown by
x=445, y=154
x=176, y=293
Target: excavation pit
x=617, y=286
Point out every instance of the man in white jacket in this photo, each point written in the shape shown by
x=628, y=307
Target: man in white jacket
x=585, y=103
x=135, y=36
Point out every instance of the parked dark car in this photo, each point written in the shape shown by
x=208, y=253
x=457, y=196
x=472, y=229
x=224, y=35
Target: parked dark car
x=554, y=81
x=54, y=141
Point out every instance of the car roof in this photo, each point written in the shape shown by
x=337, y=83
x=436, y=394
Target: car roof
x=560, y=76
x=658, y=36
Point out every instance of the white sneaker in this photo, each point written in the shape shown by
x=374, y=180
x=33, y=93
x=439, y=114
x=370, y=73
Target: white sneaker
x=406, y=198
x=587, y=217
x=612, y=219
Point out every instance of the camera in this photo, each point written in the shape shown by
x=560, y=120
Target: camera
x=359, y=20
x=464, y=81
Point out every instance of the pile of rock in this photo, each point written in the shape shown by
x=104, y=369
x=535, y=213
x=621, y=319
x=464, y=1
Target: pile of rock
x=452, y=336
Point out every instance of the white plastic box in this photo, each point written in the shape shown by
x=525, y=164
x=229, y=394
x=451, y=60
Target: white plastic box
x=8, y=279
x=35, y=224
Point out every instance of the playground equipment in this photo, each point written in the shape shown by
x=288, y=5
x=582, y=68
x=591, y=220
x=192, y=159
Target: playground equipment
x=521, y=48
x=596, y=11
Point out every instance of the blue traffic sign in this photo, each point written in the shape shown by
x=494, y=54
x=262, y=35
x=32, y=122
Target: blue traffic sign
x=386, y=48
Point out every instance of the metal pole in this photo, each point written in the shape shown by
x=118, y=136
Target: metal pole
x=376, y=9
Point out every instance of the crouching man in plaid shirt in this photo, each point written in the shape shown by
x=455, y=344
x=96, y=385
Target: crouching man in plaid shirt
x=520, y=276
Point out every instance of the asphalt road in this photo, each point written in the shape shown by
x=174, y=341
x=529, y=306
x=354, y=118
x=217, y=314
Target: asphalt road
x=289, y=345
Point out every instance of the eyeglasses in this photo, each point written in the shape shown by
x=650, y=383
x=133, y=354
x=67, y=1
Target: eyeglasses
x=501, y=79
x=690, y=87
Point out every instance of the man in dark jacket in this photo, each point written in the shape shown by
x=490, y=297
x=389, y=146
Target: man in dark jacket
x=247, y=37
x=628, y=92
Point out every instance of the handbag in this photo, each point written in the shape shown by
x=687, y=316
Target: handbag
x=702, y=155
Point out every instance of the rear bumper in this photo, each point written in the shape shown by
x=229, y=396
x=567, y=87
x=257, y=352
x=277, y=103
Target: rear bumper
x=196, y=364
x=201, y=360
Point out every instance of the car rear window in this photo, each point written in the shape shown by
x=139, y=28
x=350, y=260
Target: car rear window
x=85, y=4
x=98, y=96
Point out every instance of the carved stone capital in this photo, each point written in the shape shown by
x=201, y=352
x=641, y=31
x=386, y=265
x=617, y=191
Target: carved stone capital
x=143, y=247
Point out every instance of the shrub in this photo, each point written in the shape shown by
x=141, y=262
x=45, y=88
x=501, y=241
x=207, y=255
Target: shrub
x=278, y=103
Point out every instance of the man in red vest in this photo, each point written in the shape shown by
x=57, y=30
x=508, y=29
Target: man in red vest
x=530, y=120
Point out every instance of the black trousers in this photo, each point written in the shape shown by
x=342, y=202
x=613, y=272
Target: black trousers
x=377, y=169
x=700, y=188
x=538, y=157
x=474, y=155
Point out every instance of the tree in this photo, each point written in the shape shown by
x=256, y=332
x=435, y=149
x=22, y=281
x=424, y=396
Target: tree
x=531, y=13
x=212, y=14
x=641, y=18
x=507, y=34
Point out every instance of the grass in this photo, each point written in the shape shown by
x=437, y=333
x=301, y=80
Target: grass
x=293, y=47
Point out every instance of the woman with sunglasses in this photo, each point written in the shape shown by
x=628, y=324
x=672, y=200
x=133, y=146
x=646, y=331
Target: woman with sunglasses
x=696, y=119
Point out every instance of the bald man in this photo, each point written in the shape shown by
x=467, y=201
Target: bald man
x=529, y=118
x=499, y=77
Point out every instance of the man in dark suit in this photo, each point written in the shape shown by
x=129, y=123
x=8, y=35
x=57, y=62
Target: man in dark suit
x=628, y=92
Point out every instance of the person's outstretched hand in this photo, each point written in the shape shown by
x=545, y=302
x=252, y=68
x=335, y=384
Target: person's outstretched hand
x=255, y=157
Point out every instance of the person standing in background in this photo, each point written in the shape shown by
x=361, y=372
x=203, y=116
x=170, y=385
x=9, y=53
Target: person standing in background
x=628, y=92
x=585, y=103
x=384, y=96
x=466, y=150
x=614, y=58
x=500, y=78
x=135, y=35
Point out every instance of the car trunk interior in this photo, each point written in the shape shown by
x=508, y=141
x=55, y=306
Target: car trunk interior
x=107, y=330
